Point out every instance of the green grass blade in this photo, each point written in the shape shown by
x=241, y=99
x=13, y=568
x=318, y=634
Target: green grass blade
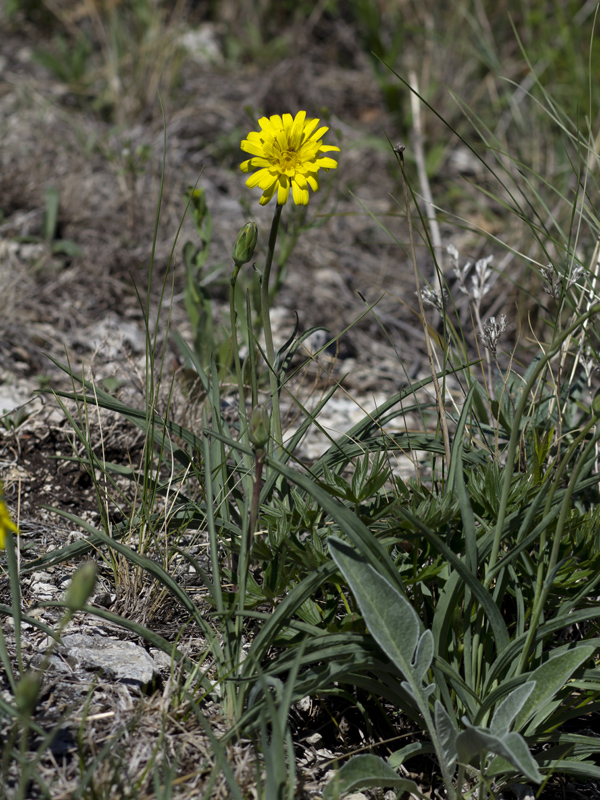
x=151, y=567
x=489, y=607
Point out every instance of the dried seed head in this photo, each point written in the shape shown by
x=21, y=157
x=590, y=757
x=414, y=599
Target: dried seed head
x=434, y=297
x=556, y=283
x=481, y=279
x=492, y=332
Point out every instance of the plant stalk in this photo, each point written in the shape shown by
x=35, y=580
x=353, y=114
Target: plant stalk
x=438, y=394
x=236, y=361
x=270, y=349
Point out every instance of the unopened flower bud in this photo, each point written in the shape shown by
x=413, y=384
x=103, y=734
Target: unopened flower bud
x=27, y=691
x=258, y=429
x=245, y=244
x=81, y=586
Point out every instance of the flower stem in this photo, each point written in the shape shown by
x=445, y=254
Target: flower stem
x=259, y=456
x=236, y=351
x=266, y=321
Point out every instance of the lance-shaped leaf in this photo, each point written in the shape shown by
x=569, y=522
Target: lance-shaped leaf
x=507, y=710
x=447, y=733
x=549, y=679
x=391, y=619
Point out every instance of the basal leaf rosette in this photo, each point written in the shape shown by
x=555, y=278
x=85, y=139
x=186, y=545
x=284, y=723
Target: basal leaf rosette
x=288, y=153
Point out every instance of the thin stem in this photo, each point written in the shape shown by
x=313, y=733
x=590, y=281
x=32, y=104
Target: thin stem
x=418, y=139
x=482, y=334
x=266, y=321
x=436, y=386
x=236, y=360
x=259, y=454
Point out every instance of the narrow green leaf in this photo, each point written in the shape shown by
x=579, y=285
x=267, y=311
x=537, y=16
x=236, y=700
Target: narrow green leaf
x=369, y=547
x=50, y=220
x=192, y=358
x=221, y=760
x=583, y=770
x=310, y=418
x=458, y=485
x=282, y=615
x=545, y=630
x=489, y=607
x=152, y=568
x=345, y=449
x=33, y=621
x=455, y=467
x=452, y=680
x=550, y=678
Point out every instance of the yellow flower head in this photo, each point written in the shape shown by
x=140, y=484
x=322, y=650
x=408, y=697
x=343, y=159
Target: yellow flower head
x=6, y=523
x=288, y=153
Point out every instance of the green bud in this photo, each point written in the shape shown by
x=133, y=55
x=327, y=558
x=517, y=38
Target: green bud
x=27, y=691
x=258, y=429
x=245, y=244
x=81, y=586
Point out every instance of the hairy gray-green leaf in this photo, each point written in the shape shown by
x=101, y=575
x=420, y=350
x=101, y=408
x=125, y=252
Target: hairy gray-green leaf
x=423, y=656
x=505, y=713
x=392, y=621
x=549, y=679
x=447, y=733
x=398, y=757
x=366, y=771
x=477, y=741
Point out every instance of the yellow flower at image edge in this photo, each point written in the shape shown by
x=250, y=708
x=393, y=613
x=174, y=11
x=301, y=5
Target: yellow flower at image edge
x=6, y=523
x=288, y=154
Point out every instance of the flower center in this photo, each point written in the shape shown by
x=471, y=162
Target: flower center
x=288, y=161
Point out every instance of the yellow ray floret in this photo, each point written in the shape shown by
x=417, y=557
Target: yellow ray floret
x=288, y=154
x=6, y=523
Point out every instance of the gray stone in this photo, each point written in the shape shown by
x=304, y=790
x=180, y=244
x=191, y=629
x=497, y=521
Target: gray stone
x=313, y=739
x=121, y=661
x=161, y=659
